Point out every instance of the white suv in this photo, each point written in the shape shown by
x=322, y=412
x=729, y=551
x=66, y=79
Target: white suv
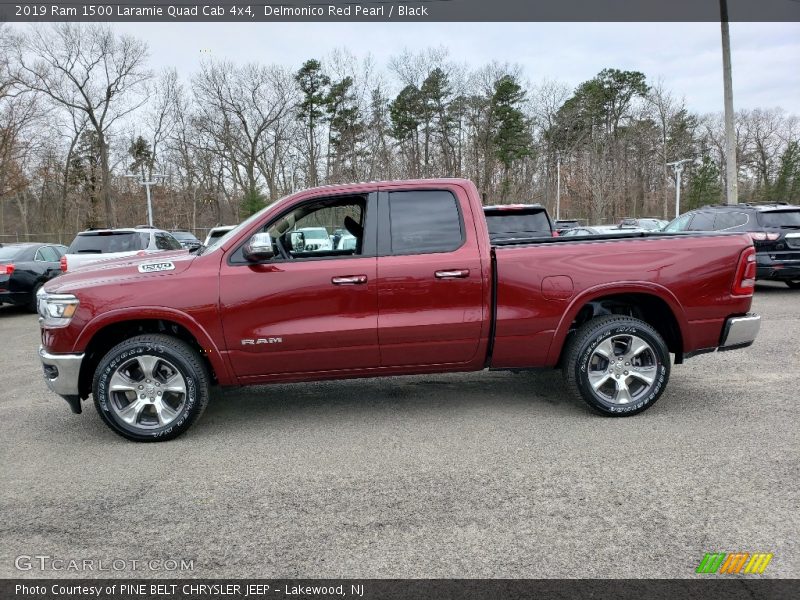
x=94, y=245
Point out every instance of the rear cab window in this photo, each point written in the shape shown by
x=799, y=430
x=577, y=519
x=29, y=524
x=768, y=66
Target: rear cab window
x=104, y=242
x=424, y=222
x=517, y=223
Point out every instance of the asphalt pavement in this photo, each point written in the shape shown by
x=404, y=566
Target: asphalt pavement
x=488, y=474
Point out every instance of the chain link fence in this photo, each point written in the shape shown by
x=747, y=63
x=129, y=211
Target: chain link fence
x=48, y=238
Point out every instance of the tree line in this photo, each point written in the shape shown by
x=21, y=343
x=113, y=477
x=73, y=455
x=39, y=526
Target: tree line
x=83, y=117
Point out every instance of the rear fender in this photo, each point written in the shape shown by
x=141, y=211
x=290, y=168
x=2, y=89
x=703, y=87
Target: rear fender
x=628, y=287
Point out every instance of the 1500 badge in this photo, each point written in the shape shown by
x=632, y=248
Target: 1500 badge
x=155, y=267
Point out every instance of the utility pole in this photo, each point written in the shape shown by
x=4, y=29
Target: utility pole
x=157, y=179
x=677, y=166
x=558, y=187
x=731, y=184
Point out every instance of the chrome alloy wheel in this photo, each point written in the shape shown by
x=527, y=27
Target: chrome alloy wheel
x=622, y=369
x=147, y=392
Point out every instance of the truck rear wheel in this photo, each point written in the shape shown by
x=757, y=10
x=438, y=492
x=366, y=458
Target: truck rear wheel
x=150, y=388
x=618, y=365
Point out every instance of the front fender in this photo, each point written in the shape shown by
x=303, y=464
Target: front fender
x=221, y=367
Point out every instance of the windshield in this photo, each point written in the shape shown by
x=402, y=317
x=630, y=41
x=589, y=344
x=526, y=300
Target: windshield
x=183, y=235
x=103, y=242
x=314, y=234
x=780, y=218
x=9, y=252
x=244, y=225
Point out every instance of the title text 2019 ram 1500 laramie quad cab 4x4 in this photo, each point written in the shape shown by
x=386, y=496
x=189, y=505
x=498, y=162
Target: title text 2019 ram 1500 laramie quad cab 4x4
x=421, y=291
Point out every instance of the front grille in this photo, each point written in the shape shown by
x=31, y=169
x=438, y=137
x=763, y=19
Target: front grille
x=793, y=240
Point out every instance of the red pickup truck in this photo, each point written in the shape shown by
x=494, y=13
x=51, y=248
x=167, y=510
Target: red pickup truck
x=420, y=289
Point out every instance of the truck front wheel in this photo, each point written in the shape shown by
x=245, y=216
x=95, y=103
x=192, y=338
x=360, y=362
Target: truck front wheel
x=150, y=388
x=618, y=365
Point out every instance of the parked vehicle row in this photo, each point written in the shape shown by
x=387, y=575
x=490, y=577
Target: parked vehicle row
x=26, y=267
x=773, y=227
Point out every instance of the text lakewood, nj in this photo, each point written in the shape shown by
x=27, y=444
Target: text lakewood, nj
x=230, y=11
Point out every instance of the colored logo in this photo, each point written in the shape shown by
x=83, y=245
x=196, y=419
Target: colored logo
x=734, y=563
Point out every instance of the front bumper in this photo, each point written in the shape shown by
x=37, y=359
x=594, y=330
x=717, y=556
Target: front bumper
x=61, y=373
x=740, y=332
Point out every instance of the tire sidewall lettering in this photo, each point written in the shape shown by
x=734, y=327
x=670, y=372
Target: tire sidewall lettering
x=110, y=367
x=585, y=355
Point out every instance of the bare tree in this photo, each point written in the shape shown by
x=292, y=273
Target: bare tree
x=242, y=110
x=86, y=68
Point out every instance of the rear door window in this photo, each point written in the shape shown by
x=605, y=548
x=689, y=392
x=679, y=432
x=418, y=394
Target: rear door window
x=702, y=221
x=47, y=254
x=424, y=222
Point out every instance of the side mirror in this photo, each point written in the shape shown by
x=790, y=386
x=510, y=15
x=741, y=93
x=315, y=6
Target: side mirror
x=259, y=248
x=298, y=241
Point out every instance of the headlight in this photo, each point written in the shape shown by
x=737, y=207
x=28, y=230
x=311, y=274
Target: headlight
x=55, y=310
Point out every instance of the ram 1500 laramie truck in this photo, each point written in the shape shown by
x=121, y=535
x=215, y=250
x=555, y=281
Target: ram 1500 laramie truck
x=422, y=290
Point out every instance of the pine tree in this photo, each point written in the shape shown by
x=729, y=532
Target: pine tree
x=512, y=137
x=312, y=82
x=704, y=186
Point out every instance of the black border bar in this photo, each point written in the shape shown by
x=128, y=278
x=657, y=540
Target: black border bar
x=703, y=588
x=402, y=11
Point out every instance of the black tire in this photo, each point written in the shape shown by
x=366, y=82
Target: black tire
x=165, y=357
x=795, y=285
x=584, y=364
x=32, y=307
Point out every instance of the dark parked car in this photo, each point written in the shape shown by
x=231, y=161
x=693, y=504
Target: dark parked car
x=774, y=227
x=508, y=222
x=24, y=268
x=186, y=239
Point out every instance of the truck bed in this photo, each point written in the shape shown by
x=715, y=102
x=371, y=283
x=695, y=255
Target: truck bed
x=689, y=274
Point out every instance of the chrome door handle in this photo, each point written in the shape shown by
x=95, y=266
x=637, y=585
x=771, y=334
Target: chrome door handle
x=452, y=274
x=349, y=280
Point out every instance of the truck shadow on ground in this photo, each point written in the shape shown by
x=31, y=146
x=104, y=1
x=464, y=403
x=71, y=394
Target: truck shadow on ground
x=541, y=391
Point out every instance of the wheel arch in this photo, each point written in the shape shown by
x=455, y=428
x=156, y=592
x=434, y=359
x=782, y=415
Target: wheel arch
x=113, y=327
x=654, y=305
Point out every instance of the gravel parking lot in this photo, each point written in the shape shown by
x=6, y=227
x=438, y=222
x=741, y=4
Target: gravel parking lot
x=479, y=475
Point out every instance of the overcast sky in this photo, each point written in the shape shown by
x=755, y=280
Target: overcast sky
x=686, y=56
